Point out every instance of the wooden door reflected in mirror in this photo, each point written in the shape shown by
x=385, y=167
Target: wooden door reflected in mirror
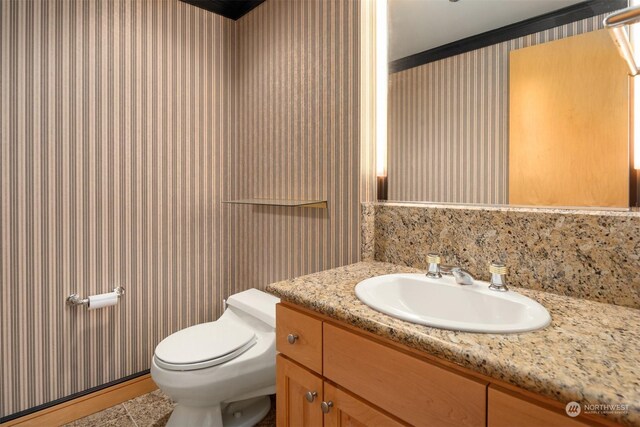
x=569, y=124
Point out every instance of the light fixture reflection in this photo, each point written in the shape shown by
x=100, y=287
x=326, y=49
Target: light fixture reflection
x=382, y=71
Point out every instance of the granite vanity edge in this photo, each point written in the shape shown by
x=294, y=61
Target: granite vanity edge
x=504, y=208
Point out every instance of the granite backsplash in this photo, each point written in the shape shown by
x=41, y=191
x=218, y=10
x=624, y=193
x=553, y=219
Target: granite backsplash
x=593, y=255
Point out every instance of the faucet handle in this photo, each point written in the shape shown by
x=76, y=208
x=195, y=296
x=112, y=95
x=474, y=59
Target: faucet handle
x=498, y=283
x=433, y=259
x=434, y=266
x=498, y=268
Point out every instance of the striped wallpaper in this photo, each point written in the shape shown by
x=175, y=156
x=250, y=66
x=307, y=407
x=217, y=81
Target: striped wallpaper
x=448, y=123
x=297, y=137
x=113, y=126
x=123, y=125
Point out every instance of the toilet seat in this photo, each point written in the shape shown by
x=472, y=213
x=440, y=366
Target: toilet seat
x=204, y=345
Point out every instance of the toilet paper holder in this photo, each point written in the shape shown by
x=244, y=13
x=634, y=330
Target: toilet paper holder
x=75, y=299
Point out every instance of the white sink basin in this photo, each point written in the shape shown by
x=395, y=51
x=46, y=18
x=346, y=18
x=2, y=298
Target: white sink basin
x=442, y=303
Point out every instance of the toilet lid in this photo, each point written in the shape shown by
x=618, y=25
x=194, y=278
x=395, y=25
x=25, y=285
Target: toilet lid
x=204, y=345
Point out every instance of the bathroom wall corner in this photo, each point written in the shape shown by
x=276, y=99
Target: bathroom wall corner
x=368, y=232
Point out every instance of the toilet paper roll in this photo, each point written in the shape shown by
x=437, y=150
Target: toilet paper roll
x=102, y=300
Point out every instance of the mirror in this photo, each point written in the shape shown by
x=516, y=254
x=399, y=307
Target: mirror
x=507, y=102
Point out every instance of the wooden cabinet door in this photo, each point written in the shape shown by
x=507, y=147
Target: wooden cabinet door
x=508, y=410
x=348, y=411
x=293, y=382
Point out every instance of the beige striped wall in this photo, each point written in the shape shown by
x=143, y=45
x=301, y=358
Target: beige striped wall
x=297, y=137
x=448, y=123
x=124, y=124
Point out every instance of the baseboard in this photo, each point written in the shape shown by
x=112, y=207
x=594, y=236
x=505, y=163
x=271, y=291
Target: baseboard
x=86, y=405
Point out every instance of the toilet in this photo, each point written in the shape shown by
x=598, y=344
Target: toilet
x=221, y=373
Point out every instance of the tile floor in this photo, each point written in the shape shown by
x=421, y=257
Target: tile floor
x=149, y=410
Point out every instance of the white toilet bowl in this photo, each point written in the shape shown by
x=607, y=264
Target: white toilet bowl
x=221, y=373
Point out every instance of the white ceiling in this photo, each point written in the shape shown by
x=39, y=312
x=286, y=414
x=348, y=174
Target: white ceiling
x=419, y=25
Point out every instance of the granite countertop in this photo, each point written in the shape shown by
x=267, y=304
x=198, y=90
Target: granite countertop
x=590, y=353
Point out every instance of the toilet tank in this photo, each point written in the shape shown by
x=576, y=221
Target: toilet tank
x=255, y=303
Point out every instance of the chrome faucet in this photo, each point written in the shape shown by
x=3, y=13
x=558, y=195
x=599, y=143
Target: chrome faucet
x=463, y=277
x=498, y=272
x=436, y=271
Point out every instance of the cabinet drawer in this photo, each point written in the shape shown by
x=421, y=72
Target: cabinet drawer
x=306, y=347
x=507, y=410
x=412, y=389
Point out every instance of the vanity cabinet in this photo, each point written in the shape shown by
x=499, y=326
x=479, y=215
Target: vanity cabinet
x=333, y=374
x=363, y=382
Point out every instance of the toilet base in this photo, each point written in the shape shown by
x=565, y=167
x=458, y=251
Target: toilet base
x=244, y=413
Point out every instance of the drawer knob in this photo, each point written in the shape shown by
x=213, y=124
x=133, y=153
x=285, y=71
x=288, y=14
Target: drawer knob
x=326, y=406
x=292, y=338
x=311, y=396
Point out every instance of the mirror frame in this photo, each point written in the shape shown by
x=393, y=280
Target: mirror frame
x=566, y=15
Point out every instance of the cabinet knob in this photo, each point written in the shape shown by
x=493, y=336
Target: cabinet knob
x=311, y=396
x=326, y=406
x=292, y=338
